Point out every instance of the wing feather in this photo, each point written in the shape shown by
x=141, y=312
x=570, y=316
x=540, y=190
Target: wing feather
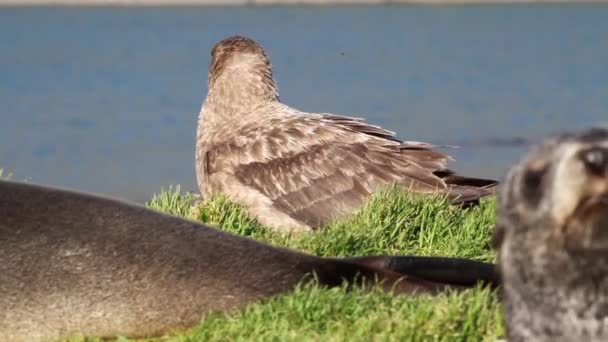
x=315, y=167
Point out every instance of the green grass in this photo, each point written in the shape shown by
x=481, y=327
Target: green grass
x=392, y=222
x=311, y=313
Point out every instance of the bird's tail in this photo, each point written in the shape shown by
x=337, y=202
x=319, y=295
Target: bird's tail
x=467, y=190
x=456, y=180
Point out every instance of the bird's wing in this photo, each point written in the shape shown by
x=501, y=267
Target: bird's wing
x=315, y=167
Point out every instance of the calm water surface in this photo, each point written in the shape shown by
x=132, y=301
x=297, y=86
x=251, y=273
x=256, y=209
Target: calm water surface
x=106, y=99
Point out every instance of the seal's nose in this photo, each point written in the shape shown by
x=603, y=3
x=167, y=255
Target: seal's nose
x=596, y=160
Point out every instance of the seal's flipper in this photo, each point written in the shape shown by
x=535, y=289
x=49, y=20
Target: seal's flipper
x=449, y=271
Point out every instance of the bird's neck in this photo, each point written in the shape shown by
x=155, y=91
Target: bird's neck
x=236, y=92
x=231, y=102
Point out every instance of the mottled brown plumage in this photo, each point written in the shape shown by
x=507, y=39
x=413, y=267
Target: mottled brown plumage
x=297, y=170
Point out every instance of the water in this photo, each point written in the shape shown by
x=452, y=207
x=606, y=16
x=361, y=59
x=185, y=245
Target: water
x=106, y=99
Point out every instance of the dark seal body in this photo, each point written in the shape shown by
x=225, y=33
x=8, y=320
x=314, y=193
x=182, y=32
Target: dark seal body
x=552, y=239
x=78, y=264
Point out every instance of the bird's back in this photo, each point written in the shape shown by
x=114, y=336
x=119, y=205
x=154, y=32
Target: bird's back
x=307, y=168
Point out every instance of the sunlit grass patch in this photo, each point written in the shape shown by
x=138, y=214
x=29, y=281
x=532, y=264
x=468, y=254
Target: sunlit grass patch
x=391, y=222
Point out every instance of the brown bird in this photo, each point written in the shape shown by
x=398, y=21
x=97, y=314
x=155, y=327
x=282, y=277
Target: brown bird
x=298, y=170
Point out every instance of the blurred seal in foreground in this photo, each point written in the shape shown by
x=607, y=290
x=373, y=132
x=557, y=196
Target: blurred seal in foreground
x=297, y=170
x=552, y=237
x=78, y=264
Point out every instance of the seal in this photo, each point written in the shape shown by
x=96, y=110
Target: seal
x=295, y=170
x=78, y=264
x=552, y=240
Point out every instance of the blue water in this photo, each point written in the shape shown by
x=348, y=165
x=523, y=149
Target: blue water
x=106, y=99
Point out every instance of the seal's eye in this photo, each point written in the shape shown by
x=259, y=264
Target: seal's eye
x=533, y=178
x=595, y=160
x=532, y=184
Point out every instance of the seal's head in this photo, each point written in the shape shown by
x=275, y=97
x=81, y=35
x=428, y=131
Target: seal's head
x=559, y=193
x=552, y=239
x=240, y=67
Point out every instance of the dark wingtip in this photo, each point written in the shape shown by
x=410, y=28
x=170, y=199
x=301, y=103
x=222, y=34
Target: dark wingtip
x=470, y=182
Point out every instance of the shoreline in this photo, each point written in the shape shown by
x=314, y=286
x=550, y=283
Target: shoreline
x=170, y=3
